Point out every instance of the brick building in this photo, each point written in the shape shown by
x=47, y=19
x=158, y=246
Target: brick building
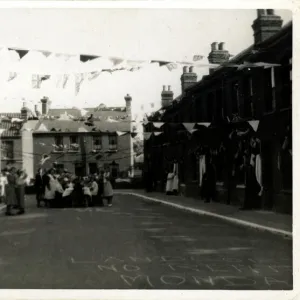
x=229, y=98
x=78, y=145
x=11, y=142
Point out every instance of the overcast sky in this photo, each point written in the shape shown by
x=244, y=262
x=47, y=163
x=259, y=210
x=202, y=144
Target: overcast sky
x=155, y=34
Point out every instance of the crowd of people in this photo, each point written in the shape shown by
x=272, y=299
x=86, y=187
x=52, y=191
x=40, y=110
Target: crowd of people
x=55, y=188
x=63, y=189
x=12, y=188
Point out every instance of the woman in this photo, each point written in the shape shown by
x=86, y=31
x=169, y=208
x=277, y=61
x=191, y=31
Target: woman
x=87, y=192
x=100, y=190
x=10, y=191
x=94, y=190
x=107, y=188
x=209, y=182
x=3, y=183
x=50, y=188
x=58, y=192
x=20, y=190
x=169, y=185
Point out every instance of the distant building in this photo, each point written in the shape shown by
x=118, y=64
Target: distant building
x=81, y=141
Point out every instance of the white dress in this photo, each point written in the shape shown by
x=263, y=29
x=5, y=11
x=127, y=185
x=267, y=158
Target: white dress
x=50, y=192
x=175, y=179
x=3, y=183
x=169, y=185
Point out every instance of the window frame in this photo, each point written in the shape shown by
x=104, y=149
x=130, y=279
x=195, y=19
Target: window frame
x=94, y=146
x=73, y=148
x=58, y=147
x=112, y=146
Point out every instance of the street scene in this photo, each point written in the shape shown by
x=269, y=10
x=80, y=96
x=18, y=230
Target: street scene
x=138, y=245
x=127, y=165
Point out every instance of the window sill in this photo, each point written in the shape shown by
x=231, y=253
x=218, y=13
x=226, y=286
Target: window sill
x=240, y=186
x=57, y=151
x=73, y=151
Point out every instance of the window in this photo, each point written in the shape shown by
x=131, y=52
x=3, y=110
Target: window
x=97, y=143
x=112, y=141
x=58, y=143
x=74, y=146
x=268, y=90
x=7, y=150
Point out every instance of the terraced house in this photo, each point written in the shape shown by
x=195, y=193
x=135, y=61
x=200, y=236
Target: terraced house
x=233, y=100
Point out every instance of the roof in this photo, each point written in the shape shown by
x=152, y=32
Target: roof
x=114, y=112
x=239, y=58
x=11, y=129
x=44, y=126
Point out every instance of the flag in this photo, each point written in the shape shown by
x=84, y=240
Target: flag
x=198, y=57
x=44, y=158
x=171, y=66
x=152, y=105
x=158, y=124
x=45, y=77
x=36, y=81
x=78, y=81
x=120, y=133
x=160, y=62
x=12, y=76
x=62, y=81
x=254, y=124
x=147, y=135
x=157, y=133
x=93, y=75
x=188, y=126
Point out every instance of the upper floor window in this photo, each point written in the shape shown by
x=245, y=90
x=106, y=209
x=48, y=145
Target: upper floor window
x=58, y=143
x=74, y=145
x=97, y=143
x=113, y=142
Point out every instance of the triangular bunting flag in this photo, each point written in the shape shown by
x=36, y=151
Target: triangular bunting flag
x=188, y=126
x=158, y=124
x=78, y=81
x=198, y=57
x=44, y=158
x=120, y=133
x=62, y=81
x=203, y=124
x=93, y=75
x=192, y=131
x=12, y=76
x=133, y=134
x=147, y=135
x=42, y=127
x=254, y=124
x=171, y=66
x=161, y=63
x=157, y=133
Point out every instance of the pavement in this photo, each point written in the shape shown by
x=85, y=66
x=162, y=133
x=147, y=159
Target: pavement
x=273, y=222
x=137, y=244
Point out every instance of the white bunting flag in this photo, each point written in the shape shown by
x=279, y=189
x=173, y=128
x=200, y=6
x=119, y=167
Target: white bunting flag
x=171, y=66
x=147, y=135
x=198, y=57
x=254, y=124
x=203, y=124
x=78, y=81
x=44, y=158
x=188, y=126
x=120, y=133
x=158, y=124
x=12, y=76
x=93, y=75
x=157, y=133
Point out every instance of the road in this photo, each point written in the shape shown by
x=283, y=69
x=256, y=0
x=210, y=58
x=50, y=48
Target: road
x=137, y=245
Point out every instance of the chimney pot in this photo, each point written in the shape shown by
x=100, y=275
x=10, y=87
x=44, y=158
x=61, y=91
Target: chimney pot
x=221, y=46
x=270, y=12
x=169, y=88
x=185, y=69
x=214, y=46
x=164, y=88
x=191, y=69
x=260, y=12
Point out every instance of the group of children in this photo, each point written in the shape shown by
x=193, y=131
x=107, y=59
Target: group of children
x=68, y=190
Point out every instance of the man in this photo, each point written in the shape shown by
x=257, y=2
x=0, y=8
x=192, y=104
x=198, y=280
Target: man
x=39, y=188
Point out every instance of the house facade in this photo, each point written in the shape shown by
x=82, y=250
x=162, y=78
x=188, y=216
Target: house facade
x=82, y=145
x=226, y=101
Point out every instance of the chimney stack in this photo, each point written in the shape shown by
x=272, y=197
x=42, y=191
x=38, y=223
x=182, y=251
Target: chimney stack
x=45, y=105
x=188, y=78
x=24, y=111
x=128, y=100
x=265, y=25
x=166, y=96
x=218, y=54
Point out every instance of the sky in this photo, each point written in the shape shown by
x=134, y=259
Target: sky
x=150, y=34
